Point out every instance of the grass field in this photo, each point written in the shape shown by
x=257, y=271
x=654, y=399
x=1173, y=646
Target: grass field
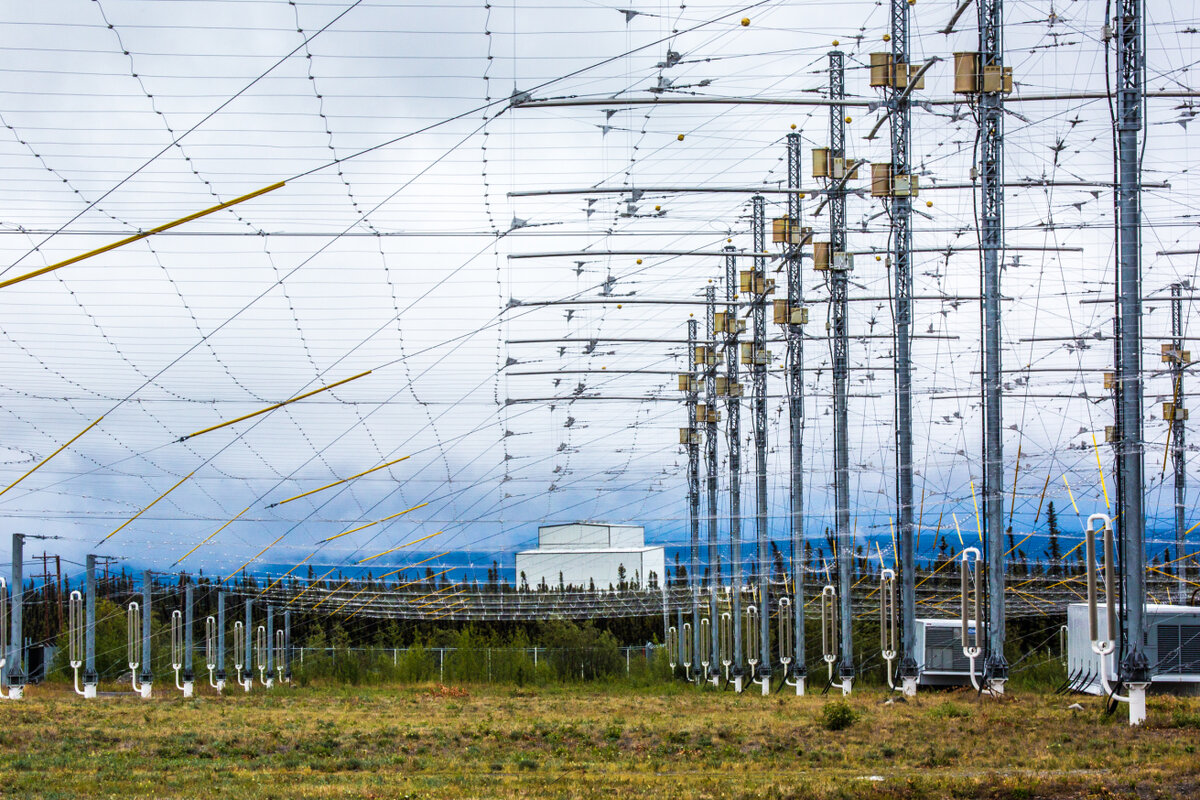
x=588, y=742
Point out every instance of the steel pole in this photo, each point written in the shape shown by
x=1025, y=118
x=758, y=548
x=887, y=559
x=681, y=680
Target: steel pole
x=1128, y=21
x=901, y=207
x=758, y=370
x=838, y=288
x=287, y=645
x=795, y=378
x=693, y=479
x=991, y=203
x=189, y=675
x=16, y=647
x=248, y=674
x=147, y=676
x=220, y=676
x=733, y=441
x=710, y=474
x=90, y=678
x=1178, y=431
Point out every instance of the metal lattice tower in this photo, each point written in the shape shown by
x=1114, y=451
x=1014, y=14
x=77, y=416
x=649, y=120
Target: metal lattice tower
x=841, y=345
x=795, y=392
x=1178, y=444
x=1130, y=67
x=991, y=220
x=733, y=437
x=710, y=472
x=759, y=371
x=693, y=481
x=901, y=255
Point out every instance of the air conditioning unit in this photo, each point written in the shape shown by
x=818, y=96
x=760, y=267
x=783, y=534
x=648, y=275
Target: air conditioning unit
x=939, y=653
x=1172, y=644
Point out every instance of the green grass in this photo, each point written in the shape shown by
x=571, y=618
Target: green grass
x=588, y=742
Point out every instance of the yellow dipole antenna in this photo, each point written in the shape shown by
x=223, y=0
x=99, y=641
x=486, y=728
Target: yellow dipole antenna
x=275, y=582
x=1071, y=495
x=42, y=463
x=254, y=557
x=401, y=547
x=1103, y=483
x=273, y=407
x=1012, y=506
x=978, y=521
x=410, y=566
x=958, y=530
x=376, y=522
x=211, y=535
x=337, y=483
x=140, y=236
x=1042, y=499
x=312, y=584
x=401, y=586
x=147, y=508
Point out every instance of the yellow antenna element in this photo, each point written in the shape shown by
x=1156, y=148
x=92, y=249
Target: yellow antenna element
x=42, y=463
x=331, y=594
x=1015, y=546
x=277, y=405
x=275, y=582
x=1042, y=499
x=1071, y=495
x=338, y=483
x=1103, y=483
x=401, y=547
x=1072, y=550
x=959, y=530
x=310, y=585
x=351, y=597
x=410, y=566
x=369, y=524
x=254, y=558
x=978, y=521
x=895, y=548
x=401, y=586
x=140, y=236
x=147, y=508
x=211, y=535
x=443, y=598
x=1016, y=474
x=1189, y=530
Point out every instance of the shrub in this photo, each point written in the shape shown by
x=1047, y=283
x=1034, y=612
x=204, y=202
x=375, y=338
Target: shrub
x=837, y=716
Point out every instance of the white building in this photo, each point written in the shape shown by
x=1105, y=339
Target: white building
x=591, y=555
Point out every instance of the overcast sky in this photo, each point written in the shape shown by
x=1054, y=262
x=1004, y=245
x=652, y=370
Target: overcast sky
x=398, y=260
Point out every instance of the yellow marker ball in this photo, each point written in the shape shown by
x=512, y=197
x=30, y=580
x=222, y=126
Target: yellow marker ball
x=658, y=208
x=887, y=37
x=877, y=258
x=929, y=204
x=800, y=195
x=680, y=137
x=618, y=305
x=849, y=119
x=745, y=22
x=793, y=126
x=835, y=42
x=729, y=241
x=604, y=368
x=639, y=261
